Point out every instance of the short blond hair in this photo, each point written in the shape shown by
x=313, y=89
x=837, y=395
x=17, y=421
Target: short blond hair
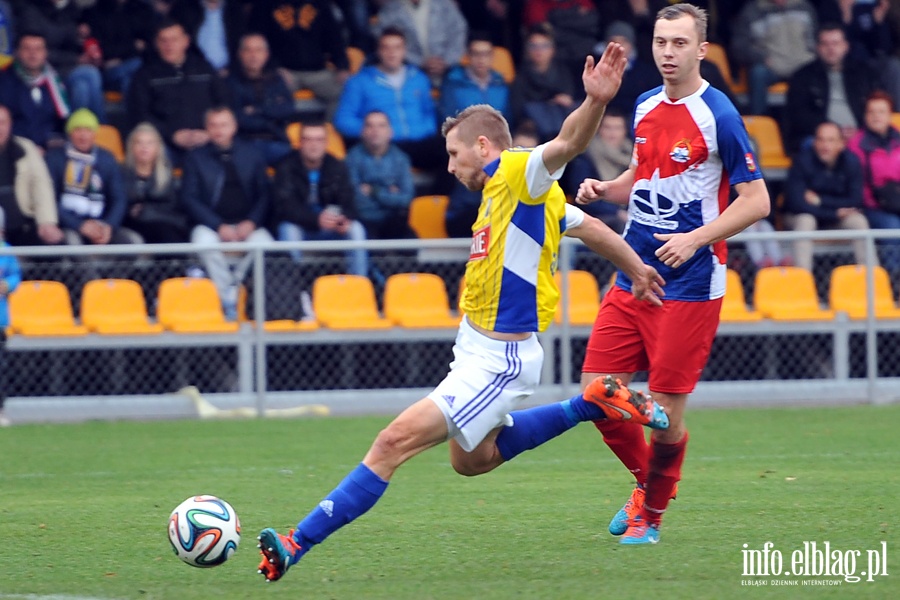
x=477, y=120
x=676, y=11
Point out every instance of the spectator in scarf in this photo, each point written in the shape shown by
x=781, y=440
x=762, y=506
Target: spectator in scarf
x=34, y=93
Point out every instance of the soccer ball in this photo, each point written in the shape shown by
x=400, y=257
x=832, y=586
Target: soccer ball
x=204, y=531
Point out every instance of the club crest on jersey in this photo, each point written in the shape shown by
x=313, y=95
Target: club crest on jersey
x=481, y=241
x=681, y=151
x=751, y=164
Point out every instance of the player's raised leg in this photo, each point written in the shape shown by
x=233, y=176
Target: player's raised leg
x=419, y=427
x=533, y=427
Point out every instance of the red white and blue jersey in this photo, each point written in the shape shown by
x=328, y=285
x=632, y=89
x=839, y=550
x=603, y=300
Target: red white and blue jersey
x=687, y=154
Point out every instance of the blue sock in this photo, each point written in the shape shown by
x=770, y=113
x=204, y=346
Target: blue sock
x=355, y=495
x=534, y=426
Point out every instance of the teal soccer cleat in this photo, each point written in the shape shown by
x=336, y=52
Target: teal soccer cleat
x=640, y=532
x=279, y=553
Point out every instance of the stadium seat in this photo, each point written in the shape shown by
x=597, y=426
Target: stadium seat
x=335, y=146
x=43, y=308
x=584, y=298
x=772, y=159
x=356, y=58
x=788, y=294
x=191, y=305
x=347, y=302
x=109, y=138
x=848, y=292
x=418, y=300
x=715, y=53
x=427, y=216
x=734, y=306
x=502, y=62
x=116, y=307
x=895, y=120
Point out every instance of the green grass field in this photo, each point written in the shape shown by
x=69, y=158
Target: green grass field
x=83, y=510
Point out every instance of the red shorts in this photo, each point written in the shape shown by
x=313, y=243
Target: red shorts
x=672, y=342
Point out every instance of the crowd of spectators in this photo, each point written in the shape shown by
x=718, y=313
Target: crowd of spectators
x=203, y=92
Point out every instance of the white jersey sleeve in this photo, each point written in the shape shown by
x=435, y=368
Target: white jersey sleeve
x=537, y=177
x=574, y=217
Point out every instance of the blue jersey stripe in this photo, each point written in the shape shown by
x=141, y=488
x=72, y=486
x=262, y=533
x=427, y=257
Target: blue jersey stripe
x=530, y=219
x=517, y=304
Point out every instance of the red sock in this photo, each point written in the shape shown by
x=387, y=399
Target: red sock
x=665, y=471
x=628, y=443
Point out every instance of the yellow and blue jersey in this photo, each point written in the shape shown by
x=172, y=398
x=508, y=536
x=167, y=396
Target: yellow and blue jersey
x=509, y=277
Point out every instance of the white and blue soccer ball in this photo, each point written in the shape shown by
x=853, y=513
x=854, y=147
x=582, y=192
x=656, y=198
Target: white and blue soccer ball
x=204, y=531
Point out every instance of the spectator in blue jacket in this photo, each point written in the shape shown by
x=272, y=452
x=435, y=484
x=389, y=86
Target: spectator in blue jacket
x=225, y=191
x=403, y=93
x=34, y=93
x=382, y=177
x=260, y=99
x=475, y=82
x=89, y=188
x=825, y=191
x=10, y=278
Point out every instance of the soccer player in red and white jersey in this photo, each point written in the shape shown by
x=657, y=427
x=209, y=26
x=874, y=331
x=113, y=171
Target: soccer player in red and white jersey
x=690, y=147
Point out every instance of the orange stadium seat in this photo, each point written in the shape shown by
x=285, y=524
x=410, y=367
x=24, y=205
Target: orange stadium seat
x=771, y=149
x=191, y=305
x=356, y=58
x=788, y=294
x=43, y=308
x=116, y=307
x=109, y=138
x=716, y=54
x=347, y=302
x=734, y=305
x=418, y=300
x=335, y=142
x=848, y=292
x=427, y=216
x=584, y=298
x=895, y=120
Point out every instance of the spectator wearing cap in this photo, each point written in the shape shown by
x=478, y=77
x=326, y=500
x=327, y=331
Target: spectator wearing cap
x=26, y=193
x=10, y=278
x=89, y=189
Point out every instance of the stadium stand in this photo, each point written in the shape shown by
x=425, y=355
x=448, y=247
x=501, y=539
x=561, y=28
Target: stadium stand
x=43, y=308
x=347, y=302
x=191, y=305
x=788, y=294
x=584, y=298
x=418, y=300
x=427, y=215
x=734, y=304
x=847, y=292
x=116, y=307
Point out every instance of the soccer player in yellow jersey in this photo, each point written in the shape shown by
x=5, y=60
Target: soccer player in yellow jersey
x=510, y=296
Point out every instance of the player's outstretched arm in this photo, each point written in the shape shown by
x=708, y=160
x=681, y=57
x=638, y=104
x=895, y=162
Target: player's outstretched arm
x=601, y=82
x=751, y=205
x=646, y=282
x=617, y=191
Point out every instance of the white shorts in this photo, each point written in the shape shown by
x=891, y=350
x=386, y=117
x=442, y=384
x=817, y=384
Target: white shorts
x=487, y=380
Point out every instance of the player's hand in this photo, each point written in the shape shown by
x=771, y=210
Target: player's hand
x=602, y=80
x=647, y=286
x=590, y=190
x=677, y=249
